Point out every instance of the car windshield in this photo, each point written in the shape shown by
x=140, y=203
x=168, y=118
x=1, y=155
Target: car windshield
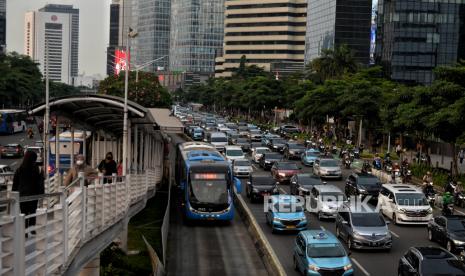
x=234, y=152
x=333, y=196
x=241, y=163
x=242, y=140
x=367, y=181
x=443, y=267
x=287, y=166
x=329, y=163
x=296, y=147
x=307, y=181
x=219, y=139
x=312, y=154
x=273, y=156
x=255, y=131
x=263, y=150
x=325, y=250
x=286, y=207
x=456, y=225
x=411, y=199
x=367, y=220
x=268, y=180
x=278, y=141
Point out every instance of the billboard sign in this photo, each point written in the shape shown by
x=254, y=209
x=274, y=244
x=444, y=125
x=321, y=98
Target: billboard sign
x=120, y=61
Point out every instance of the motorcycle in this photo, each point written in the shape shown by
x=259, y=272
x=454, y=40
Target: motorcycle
x=377, y=164
x=407, y=177
x=388, y=165
x=334, y=149
x=366, y=168
x=448, y=210
x=30, y=134
x=395, y=176
x=459, y=199
x=356, y=152
x=347, y=162
x=430, y=193
x=322, y=147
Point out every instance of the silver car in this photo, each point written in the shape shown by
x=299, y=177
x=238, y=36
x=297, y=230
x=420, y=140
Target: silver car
x=363, y=229
x=327, y=168
x=242, y=167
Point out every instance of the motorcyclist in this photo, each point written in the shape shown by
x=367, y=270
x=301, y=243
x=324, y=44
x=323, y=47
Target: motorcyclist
x=30, y=133
x=366, y=168
x=428, y=189
x=447, y=200
x=377, y=160
x=427, y=178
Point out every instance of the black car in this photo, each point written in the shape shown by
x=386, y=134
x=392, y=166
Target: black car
x=288, y=130
x=277, y=144
x=302, y=183
x=244, y=143
x=363, y=184
x=268, y=159
x=449, y=231
x=12, y=150
x=429, y=260
x=260, y=185
x=293, y=150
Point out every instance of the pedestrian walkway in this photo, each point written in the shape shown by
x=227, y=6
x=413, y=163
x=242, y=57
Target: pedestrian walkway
x=439, y=161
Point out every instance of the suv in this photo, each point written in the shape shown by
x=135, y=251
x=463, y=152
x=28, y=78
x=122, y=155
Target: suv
x=404, y=204
x=448, y=231
x=284, y=214
x=429, y=260
x=362, y=185
x=302, y=183
x=268, y=159
x=318, y=252
x=325, y=200
x=255, y=135
x=327, y=168
x=283, y=171
x=260, y=185
x=287, y=130
x=363, y=229
x=258, y=152
x=293, y=150
x=277, y=144
x=218, y=139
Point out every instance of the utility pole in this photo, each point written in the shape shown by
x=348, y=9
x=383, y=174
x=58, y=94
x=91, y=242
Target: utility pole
x=47, y=120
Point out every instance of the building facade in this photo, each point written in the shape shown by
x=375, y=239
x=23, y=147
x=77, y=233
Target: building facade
x=415, y=36
x=270, y=34
x=196, y=36
x=2, y=26
x=153, y=40
x=113, y=38
x=51, y=38
x=332, y=23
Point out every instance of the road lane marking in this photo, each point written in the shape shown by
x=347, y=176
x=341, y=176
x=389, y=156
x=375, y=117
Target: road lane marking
x=322, y=228
x=283, y=191
x=360, y=267
x=22, y=139
x=460, y=212
x=14, y=163
x=255, y=167
x=394, y=234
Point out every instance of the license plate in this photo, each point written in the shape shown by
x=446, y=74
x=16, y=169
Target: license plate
x=290, y=226
x=374, y=244
x=266, y=194
x=210, y=218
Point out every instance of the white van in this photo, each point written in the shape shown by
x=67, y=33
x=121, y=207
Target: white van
x=217, y=139
x=404, y=204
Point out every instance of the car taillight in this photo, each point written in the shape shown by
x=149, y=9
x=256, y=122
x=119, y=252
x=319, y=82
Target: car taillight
x=17, y=149
x=50, y=169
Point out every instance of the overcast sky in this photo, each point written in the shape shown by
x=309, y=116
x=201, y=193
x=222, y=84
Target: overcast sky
x=94, y=17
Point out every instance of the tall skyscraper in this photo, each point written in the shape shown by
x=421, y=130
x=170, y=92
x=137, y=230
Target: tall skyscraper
x=52, y=34
x=271, y=34
x=415, y=36
x=196, y=36
x=153, y=27
x=114, y=37
x=331, y=23
x=2, y=26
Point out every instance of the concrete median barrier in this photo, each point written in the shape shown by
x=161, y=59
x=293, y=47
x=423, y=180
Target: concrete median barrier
x=264, y=249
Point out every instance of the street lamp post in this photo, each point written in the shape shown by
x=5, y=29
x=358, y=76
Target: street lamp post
x=131, y=34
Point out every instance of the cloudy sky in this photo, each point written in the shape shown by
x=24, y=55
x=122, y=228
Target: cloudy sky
x=93, y=29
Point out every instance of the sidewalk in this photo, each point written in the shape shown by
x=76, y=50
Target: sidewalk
x=438, y=160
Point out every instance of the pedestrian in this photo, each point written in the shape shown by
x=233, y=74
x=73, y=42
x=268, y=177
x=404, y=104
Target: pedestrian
x=28, y=180
x=108, y=167
x=461, y=155
x=79, y=166
x=398, y=150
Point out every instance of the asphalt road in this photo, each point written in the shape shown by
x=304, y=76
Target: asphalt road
x=215, y=249
x=376, y=263
x=19, y=138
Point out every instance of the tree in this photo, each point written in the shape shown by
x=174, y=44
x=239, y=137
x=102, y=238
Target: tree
x=147, y=91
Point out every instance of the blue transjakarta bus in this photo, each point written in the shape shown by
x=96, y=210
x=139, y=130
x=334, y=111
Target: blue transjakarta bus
x=12, y=121
x=65, y=149
x=206, y=182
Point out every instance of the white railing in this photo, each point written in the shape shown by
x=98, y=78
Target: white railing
x=79, y=214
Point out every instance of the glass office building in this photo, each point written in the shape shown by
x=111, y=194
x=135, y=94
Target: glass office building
x=153, y=26
x=331, y=23
x=415, y=36
x=2, y=26
x=196, y=36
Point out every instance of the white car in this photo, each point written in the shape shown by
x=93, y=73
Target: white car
x=326, y=200
x=38, y=150
x=258, y=152
x=242, y=167
x=233, y=152
x=327, y=168
x=404, y=204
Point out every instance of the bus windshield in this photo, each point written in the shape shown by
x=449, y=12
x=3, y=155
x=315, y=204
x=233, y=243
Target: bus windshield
x=209, y=188
x=65, y=148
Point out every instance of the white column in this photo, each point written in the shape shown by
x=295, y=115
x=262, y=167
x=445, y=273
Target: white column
x=129, y=146
x=141, y=150
x=136, y=148
x=98, y=156
x=93, y=150
x=71, y=163
x=105, y=144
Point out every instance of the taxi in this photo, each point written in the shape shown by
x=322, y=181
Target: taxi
x=283, y=213
x=319, y=252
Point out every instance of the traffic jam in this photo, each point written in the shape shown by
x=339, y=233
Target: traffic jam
x=323, y=208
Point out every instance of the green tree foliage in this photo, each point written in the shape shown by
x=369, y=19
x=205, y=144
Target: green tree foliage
x=147, y=91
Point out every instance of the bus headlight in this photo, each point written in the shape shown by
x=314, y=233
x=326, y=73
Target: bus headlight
x=348, y=267
x=313, y=267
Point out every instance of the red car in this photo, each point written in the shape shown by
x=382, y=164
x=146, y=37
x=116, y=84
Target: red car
x=283, y=171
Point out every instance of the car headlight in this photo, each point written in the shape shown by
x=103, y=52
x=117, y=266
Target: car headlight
x=457, y=242
x=362, y=190
x=275, y=147
x=348, y=267
x=255, y=190
x=291, y=152
x=430, y=210
x=282, y=174
x=267, y=162
x=402, y=210
x=356, y=234
x=313, y=267
x=276, y=219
